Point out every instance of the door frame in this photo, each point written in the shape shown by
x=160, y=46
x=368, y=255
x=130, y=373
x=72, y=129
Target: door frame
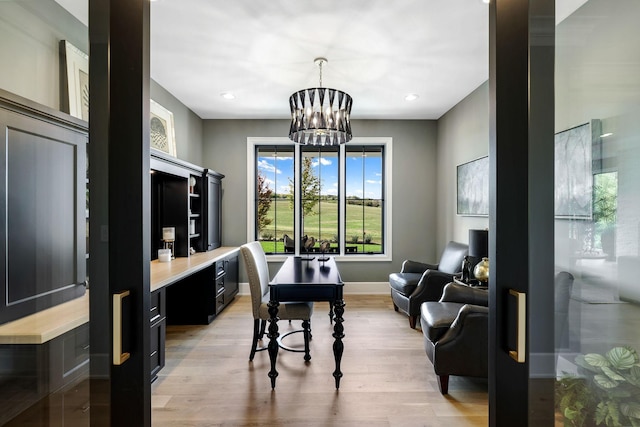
x=119, y=185
x=521, y=93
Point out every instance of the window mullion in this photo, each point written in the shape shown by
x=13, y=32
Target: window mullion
x=342, y=191
x=297, y=202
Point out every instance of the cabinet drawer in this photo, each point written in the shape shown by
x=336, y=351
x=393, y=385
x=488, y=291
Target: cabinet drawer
x=219, y=285
x=157, y=306
x=156, y=348
x=220, y=268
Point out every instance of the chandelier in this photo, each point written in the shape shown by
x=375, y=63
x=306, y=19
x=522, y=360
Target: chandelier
x=319, y=115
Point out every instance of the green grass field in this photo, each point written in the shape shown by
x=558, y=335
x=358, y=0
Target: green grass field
x=325, y=226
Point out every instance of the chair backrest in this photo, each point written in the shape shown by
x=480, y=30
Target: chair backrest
x=255, y=262
x=452, y=256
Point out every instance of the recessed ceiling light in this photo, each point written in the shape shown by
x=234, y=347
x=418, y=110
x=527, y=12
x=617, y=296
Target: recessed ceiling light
x=227, y=95
x=411, y=97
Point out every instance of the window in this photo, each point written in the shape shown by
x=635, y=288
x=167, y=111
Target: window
x=364, y=199
x=339, y=194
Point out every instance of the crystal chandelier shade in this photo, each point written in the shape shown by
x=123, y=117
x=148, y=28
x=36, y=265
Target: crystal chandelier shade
x=320, y=116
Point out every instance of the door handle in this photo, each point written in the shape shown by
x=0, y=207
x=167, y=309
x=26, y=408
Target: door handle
x=521, y=326
x=118, y=356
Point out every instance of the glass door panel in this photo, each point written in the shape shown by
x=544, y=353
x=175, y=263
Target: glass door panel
x=597, y=225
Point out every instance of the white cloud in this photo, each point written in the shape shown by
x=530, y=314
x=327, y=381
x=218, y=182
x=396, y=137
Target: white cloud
x=371, y=181
x=267, y=167
x=322, y=160
x=284, y=189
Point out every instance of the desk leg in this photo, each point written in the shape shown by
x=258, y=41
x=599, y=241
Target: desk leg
x=338, y=334
x=273, y=343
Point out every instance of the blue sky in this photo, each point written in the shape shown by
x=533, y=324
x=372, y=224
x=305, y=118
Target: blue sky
x=277, y=171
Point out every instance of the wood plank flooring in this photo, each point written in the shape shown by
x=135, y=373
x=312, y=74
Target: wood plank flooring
x=388, y=380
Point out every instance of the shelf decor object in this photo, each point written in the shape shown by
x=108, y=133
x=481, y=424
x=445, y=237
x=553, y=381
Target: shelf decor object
x=162, y=131
x=169, y=238
x=319, y=115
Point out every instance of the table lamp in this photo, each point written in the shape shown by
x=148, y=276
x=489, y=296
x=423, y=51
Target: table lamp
x=478, y=252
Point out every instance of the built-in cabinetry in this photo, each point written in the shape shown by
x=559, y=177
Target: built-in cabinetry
x=158, y=324
x=42, y=159
x=197, y=299
x=186, y=197
x=32, y=370
x=213, y=192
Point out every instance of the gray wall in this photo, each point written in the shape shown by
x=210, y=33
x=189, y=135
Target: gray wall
x=463, y=135
x=188, y=126
x=30, y=32
x=414, y=185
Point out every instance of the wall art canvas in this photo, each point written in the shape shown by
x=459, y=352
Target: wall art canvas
x=473, y=187
x=162, y=132
x=574, y=173
x=75, y=77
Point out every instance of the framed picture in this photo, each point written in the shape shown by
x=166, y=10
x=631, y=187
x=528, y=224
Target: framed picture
x=574, y=171
x=162, y=133
x=473, y=187
x=75, y=77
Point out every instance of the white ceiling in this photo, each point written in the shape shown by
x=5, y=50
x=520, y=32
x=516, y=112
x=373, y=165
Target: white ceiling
x=378, y=51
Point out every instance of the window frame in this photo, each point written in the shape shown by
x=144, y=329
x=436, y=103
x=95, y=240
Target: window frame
x=386, y=142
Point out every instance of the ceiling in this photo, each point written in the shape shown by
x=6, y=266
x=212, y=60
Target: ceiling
x=378, y=51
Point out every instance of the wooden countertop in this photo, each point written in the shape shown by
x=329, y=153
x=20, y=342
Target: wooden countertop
x=47, y=324
x=166, y=273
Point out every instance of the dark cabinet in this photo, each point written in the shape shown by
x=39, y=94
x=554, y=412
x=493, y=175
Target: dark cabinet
x=43, y=185
x=198, y=298
x=158, y=324
x=186, y=197
x=213, y=202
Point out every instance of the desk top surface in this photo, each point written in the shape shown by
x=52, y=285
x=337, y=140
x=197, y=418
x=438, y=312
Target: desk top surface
x=47, y=324
x=298, y=271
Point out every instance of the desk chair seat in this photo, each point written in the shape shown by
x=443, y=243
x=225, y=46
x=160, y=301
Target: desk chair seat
x=255, y=262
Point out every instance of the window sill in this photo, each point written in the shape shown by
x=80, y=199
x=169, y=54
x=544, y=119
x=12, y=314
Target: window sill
x=339, y=258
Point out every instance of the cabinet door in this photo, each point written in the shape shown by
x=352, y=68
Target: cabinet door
x=213, y=225
x=231, y=278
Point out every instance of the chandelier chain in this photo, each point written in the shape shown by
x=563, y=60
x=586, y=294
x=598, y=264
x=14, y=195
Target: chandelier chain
x=320, y=65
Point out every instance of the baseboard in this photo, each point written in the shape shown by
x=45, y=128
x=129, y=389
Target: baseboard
x=350, y=288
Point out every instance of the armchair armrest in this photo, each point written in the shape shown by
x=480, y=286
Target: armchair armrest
x=454, y=292
x=467, y=335
x=409, y=266
x=430, y=286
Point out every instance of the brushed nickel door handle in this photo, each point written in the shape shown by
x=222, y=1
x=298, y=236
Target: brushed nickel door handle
x=521, y=327
x=118, y=356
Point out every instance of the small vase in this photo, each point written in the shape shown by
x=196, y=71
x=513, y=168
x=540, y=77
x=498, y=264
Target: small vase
x=482, y=270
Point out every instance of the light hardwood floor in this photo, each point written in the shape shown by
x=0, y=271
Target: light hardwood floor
x=388, y=381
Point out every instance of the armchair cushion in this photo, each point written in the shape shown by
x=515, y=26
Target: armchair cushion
x=437, y=317
x=405, y=283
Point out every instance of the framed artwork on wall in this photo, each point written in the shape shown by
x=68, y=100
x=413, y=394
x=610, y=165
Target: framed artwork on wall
x=74, y=67
x=473, y=187
x=573, y=189
x=162, y=132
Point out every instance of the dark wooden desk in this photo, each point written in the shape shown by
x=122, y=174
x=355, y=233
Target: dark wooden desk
x=302, y=280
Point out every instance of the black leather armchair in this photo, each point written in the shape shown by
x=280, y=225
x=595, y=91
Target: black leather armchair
x=455, y=333
x=419, y=282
